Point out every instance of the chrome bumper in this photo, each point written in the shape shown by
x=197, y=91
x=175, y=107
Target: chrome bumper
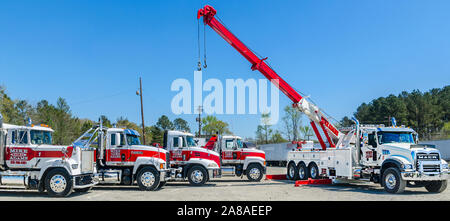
x=417, y=176
x=164, y=175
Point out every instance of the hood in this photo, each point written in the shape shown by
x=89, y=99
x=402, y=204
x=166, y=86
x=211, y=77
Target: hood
x=145, y=147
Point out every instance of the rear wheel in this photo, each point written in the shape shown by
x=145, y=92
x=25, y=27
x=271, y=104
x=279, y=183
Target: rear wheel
x=392, y=181
x=254, y=172
x=302, y=171
x=436, y=186
x=197, y=175
x=313, y=171
x=292, y=172
x=58, y=183
x=148, y=179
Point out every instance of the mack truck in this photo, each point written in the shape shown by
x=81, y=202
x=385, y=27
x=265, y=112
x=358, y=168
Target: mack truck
x=29, y=160
x=237, y=159
x=122, y=159
x=189, y=160
x=392, y=158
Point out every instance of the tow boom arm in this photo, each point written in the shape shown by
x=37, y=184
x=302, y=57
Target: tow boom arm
x=311, y=110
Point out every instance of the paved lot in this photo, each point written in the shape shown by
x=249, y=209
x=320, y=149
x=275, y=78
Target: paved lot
x=235, y=189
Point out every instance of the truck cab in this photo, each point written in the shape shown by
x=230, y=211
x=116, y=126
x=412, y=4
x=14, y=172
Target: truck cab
x=238, y=159
x=28, y=159
x=188, y=160
x=122, y=159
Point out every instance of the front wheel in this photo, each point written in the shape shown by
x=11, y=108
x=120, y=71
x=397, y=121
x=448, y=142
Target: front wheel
x=436, y=186
x=254, y=172
x=148, y=179
x=197, y=176
x=58, y=183
x=392, y=181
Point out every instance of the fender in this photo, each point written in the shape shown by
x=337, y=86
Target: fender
x=57, y=163
x=398, y=161
x=150, y=161
x=208, y=164
x=249, y=160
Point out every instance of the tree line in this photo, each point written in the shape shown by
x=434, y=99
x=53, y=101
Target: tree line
x=428, y=113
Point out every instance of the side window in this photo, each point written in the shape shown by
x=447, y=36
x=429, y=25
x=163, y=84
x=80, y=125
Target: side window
x=13, y=137
x=23, y=137
x=229, y=144
x=372, y=140
x=175, y=142
x=113, y=139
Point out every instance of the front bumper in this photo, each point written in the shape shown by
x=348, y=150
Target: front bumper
x=417, y=176
x=164, y=175
x=84, y=180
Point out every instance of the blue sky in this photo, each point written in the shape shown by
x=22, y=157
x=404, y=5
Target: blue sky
x=341, y=53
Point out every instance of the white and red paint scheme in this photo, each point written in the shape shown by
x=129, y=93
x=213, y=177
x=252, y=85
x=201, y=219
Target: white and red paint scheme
x=237, y=159
x=28, y=159
x=121, y=159
x=188, y=160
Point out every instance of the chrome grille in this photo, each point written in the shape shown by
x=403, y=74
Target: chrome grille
x=428, y=157
x=431, y=168
x=87, y=161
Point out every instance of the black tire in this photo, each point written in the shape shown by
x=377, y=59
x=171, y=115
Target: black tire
x=436, y=186
x=254, y=172
x=313, y=171
x=161, y=185
x=197, y=175
x=148, y=179
x=303, y=171
x=58, y=183
x=392, y=181
x=83, y=190
x=292, y=171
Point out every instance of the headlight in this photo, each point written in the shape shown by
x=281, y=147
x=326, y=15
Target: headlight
x=445, y=166
x=407, y=166
x=74, y=166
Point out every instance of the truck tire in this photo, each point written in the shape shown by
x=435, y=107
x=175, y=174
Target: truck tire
x=161, y=185
x=292, y=171
x=436, y=186
x=197, y=175
x=254, y=172
x=392, y=181
x=58, y=183
x=313, y=171
x=148, y=179
x=302, y=171
x=83, y=190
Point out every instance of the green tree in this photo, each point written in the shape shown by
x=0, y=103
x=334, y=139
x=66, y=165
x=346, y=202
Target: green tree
x=264, y=130
x=212, y=125
x=292, y=120
x=164, y=123
x=181, y=124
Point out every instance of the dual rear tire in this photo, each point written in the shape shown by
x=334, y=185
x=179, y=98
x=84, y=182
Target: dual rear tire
x=302, y=172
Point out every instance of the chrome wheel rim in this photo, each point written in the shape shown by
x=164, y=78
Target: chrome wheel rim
x=313, y=172
x=254, y=173
x=58, y=183
x=301, y=172
x=148, y=179
x=197, y=176
x=291, y=171
x=390, y=181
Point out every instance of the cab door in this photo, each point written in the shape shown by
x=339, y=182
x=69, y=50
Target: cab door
x=230, y=152
x=118, y=153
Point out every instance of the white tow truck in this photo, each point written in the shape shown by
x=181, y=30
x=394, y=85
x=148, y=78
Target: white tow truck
x=121, y=159
x=188, y=160
x=29, y=160
x=237, y=159
x=386, y=155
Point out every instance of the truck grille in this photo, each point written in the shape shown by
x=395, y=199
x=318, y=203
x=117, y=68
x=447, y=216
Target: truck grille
x=431, y=168
x=87, y=161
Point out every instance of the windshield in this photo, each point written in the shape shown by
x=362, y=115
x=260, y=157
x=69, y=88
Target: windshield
x=395, y=137
x=40, y=137
x=190, y=141
x=133, y=140
x=239, y=143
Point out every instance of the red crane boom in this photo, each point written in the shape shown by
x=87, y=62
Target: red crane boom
x=313, y=112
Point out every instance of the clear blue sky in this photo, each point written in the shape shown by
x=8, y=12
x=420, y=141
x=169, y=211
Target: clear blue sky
x=342, y=53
